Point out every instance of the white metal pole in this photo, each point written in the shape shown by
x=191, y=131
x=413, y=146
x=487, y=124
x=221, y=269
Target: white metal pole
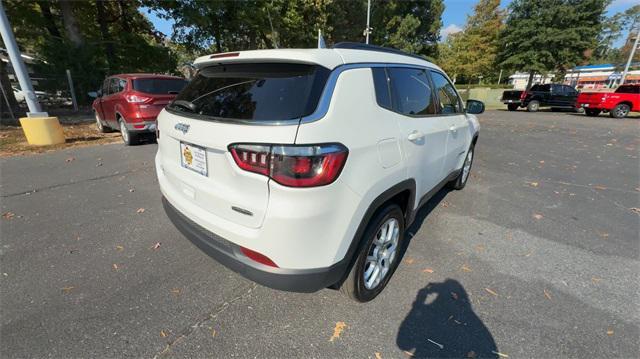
x=368, y=30
x=500, y=77
x=19, y=68
x=633, y=52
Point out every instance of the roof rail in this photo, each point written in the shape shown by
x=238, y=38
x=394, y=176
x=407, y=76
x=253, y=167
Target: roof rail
x=367, y=47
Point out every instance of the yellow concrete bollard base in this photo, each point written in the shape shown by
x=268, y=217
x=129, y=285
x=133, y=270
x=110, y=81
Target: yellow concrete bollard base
x=42, y=131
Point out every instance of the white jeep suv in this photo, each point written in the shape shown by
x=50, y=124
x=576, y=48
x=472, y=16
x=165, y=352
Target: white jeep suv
x=301, y=168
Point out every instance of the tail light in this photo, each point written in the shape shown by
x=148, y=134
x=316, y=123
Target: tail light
x=523, y=95
x=136, y=98
x=293, y=166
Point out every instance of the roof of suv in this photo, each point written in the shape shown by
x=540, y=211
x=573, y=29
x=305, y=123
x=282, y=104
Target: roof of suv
x=329, y=58
x=145, y=75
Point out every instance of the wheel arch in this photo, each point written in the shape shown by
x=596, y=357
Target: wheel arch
x=403, y=194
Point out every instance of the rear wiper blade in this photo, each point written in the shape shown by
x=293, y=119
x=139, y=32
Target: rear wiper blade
x=185, y=104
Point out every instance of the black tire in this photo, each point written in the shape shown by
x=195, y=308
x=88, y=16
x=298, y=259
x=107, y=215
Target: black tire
x=129, y=138
x=513, y=106
x=354, y=286
x=620, y=111
x=533, y=106
x=102, y=128
x=459, y=182
x=591, y=112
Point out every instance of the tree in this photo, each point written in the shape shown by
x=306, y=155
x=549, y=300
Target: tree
x=472, y=52
x=550, y=35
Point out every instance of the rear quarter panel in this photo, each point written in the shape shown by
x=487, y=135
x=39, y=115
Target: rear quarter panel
x=375, y=160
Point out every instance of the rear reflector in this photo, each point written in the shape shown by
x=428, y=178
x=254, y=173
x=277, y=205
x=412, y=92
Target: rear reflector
x=293, y=166
x=258, y=257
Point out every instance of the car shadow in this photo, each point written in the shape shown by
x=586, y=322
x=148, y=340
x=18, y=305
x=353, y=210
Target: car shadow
x=442, y=324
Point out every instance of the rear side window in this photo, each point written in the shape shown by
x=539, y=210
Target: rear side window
x=447, y=95
x=541, y=88
x=628, y=89
x=411, y=91
x=159, y=86
x=381, y=84
x=256, y=92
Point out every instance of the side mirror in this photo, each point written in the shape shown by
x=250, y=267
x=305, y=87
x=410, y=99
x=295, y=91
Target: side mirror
x=475, y=107
x=93, y=94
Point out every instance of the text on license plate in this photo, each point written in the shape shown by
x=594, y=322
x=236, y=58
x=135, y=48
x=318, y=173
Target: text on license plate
x=194, y=158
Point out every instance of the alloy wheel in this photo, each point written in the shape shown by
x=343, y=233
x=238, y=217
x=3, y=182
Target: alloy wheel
x=124, y=132
x=382, y=254
x=467, y=166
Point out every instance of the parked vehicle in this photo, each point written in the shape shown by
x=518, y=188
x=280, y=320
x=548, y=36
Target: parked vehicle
x=131, y=103
x=555, y=96
x=20, y=95
x=300, y=169
x=625, y=99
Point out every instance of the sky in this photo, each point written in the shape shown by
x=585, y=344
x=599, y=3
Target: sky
x=453, y=19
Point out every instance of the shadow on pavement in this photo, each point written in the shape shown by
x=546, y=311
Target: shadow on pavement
x=442, y=324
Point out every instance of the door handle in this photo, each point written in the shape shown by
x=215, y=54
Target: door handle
x=415, y=135
x=453, y=129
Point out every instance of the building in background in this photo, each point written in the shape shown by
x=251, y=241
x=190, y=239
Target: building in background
x=519, y=80
x=600, y=76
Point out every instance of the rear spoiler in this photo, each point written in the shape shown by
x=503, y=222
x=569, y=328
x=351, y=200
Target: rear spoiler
x=324, y=57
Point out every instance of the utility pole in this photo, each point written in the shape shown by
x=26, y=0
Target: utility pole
x=38, y=127
x=19, y=68
x=367, y=31
x=633, y=52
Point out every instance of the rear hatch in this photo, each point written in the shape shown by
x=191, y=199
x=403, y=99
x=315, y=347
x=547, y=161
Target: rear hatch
x=155, y=93
x=252, y=103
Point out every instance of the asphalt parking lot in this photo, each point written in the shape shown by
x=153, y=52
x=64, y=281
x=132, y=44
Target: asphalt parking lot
x=538, y=257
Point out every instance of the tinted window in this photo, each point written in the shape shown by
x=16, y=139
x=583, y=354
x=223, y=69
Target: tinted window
x=105, y=87
x=159, y=86
x=258, y=92
x=411, y=91
x=447, y=95
x=541, y=88
x=628, y=89
x=121, y=84
x=113, y=86
x=381, y=84
x=569, y=90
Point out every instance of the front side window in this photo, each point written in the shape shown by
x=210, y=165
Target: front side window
x=447, y=95
x=255, y=92
x=121, y=85
x=113, y=86
x=411, y=91
x=105, y=87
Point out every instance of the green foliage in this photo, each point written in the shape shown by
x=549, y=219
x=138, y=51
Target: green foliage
x=204, y=26
x=547, y=35
x=118, y=40
x=472, y=52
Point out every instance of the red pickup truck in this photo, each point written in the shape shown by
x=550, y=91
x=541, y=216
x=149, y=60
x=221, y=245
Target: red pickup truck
x=625, y=99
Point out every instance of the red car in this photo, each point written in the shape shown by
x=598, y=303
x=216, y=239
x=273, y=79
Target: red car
x=625, y=99
x=130, y=103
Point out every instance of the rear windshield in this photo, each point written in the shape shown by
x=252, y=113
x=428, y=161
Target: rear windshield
x=542, y=88
x=628, y=89
x=255, y=92
x=159, y=86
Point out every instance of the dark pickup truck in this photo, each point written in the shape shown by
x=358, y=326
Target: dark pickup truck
x=548, y=95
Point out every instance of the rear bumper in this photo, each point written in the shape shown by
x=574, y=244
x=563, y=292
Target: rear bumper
x=229, y=254
x=146, y=126
x=510, y=101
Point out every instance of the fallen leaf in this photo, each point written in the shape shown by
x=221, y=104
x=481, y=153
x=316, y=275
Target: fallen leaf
x=502, y=355
x=465, y=268
x=609, y=332
x=338, y=330
x=409, y=260
x=140, y=210
x=541, y=162
x=8, y=215
x=67, y=289
x=175, y=291
x=602, y=234
x=70, y=159
x=409, y=353
x=546, y=294
x=378, y=356
x=533, y=184
x=537, y=216
x=471, y=354
x=163, y=334
x=444, y=204
x=427, y=270
x=454, y=295
x=599, y=188
x=156, y=246
x=119, y=248
x=596, y=279
x=480, y=247
x=115, y=267
x=213, y=333
x=491, y=292
x=131, y=190
x=635, y=210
